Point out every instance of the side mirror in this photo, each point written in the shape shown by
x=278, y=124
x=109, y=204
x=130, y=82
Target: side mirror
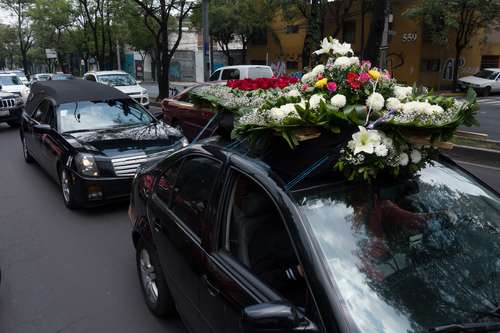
x=271, y=317
x=42, y=128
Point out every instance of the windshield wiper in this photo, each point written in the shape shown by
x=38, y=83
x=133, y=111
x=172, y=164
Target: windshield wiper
x=472, y=327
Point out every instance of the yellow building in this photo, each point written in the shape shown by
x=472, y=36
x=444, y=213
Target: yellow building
x=412, y=56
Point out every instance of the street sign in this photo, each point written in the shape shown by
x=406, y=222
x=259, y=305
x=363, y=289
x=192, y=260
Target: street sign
x=51, y=53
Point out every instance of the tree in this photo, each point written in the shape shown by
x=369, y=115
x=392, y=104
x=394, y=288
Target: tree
x=159, y=16
x=20, y=9
x=9, y=46
x=460, y=20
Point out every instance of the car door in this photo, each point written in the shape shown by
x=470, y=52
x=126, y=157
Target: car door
x=250, y=220
x=178, y=210
x=190, y=117
x=51, y=145
x=32, y=134
x=496, y=84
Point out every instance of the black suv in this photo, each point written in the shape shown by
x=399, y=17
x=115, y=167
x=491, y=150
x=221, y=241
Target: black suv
x=11, y=108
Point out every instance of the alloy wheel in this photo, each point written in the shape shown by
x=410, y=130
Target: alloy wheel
x=148, y=277
x=65, y=186
x=25, y=149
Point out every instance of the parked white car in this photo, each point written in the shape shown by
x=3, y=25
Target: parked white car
x=12, y=83
x=241, y=72
x=122, y=81
x=485, y=81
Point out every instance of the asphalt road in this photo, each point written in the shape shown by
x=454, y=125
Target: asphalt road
x=72, y=271
x=488, y=117
x=64, y=271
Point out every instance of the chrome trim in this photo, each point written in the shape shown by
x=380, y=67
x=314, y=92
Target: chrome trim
x=7, y=103
x=126, y=166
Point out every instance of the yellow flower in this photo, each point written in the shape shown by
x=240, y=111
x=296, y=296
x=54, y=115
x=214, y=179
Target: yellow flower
x=320, y=84
x=374, y=74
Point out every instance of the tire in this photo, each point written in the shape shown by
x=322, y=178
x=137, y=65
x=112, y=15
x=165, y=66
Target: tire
x=67, y=189
x=154, y=287
x=26, y=154
x=13, y=124
x=486, y=91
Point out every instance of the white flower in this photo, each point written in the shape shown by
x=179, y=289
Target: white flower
x=339, y=101
x=293, y=93
x=436, y=109
x=403, y=159
x=415, y=156
x=375, y=102
x=315, y=101
x=342, y=62
x=302, y=104
x=364, y=141
x=308, y=78
x=386, y=141
x=320, y=69
x=354, y=60
x=393, y=104
x=284, y=111
x=381, y=150
x=402, y=93
x=341, y=48
x=326, y=47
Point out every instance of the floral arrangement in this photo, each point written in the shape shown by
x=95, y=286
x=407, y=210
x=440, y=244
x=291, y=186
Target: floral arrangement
x=397, y=128
x=237, y=96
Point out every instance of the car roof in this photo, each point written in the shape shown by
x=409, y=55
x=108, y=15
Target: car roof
x=76, y=90
x=107, y=72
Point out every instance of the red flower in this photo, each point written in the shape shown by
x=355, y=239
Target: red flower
x=353, y=80
x=262, y=83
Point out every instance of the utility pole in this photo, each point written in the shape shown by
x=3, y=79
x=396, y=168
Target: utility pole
x=384, y=45
x=118, y=59
x=206, y=41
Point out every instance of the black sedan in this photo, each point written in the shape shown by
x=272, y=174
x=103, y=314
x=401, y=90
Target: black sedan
x=220, y=238
x=91, y=138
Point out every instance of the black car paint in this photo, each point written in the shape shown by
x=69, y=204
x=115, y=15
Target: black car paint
x=224, y=287
x=54, y=150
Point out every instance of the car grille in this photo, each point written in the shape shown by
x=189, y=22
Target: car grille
x=7, y=103
x=127, y=166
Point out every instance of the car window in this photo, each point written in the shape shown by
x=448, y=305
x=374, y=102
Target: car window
x=256, y=237
x=259, y=72
x=193, y=189
x=119, y=80
x=10, y=80
x=83, y=116
x=486, y=74
x=166, y=183
x=40, y=113
x=230, y=74
x=215, y=76
x=419, y=253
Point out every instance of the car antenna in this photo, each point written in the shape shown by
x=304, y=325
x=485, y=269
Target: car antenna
x=74, y=113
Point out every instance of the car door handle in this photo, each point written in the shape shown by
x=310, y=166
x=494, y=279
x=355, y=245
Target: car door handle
x=212, y=290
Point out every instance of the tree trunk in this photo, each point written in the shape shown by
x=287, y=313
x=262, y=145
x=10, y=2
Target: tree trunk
x=312, y=37
x=376, y=29
x=456, y=66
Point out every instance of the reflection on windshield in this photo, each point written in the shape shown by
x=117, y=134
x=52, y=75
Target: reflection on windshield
x=485, y=74
x=97, y=115
x=117, y=80
x=407, y=257
x=10, y=81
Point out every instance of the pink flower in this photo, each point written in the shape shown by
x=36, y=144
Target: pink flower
x=366, y=64
x=304, y=87
x=364, y=77
x=331, y=86
x=386, y=75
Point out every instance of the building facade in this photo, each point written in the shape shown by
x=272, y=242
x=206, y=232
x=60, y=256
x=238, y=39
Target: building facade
x=412, y=56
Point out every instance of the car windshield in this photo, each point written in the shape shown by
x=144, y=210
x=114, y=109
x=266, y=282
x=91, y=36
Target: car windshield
x=61, y=77
x=117, y=79
x=10, y=80
x=487, y=74
x=83, y=116
x=43, y=77
x=410, y=256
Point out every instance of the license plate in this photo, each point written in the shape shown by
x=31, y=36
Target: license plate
x=4, y=113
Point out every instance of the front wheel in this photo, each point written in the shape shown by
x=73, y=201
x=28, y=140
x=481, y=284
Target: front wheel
x=27, y=156
x=486, y=91
x=154, y=287
x=67, y=189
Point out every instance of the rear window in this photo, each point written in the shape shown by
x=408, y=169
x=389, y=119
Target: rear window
x=230, y=74
x=259, y=72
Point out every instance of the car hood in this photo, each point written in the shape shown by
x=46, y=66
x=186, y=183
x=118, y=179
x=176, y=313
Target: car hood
x=474, y=80
x=118, y=141
x=6, y=94
x=137, y=89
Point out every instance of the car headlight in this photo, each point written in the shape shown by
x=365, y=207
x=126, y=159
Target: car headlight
x=144, y=92
x=86, y=165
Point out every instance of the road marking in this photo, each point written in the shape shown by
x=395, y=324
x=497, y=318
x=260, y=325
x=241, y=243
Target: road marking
x=478, y=165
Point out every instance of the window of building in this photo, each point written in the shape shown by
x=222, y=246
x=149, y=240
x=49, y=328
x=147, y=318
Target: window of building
x=230, y=74
x=259, y=37
x=292, y=29
x=490, y=61
x=192, y=191
x=349, y=31
x=430, y=65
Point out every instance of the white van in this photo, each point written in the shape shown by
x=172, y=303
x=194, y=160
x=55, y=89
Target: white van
x=12, y=83
x=241, y=72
